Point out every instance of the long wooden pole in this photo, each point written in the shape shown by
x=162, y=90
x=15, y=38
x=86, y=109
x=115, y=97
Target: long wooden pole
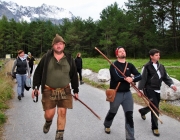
x=86, y=106
x=152, y=110
x=130, y=83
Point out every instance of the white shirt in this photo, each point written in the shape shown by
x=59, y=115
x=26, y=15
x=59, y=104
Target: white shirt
x=159, y=74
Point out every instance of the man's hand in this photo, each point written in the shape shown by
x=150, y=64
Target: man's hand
x=76, y=96
x=140, y=93
x=35, y=90
x=174, y=88
x=128, y=79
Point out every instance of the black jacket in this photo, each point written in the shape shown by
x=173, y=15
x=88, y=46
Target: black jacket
x=150, y=78
x=40, y=73
x=78, y=62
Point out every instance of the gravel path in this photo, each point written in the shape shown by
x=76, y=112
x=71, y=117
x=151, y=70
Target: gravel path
x=26, y=121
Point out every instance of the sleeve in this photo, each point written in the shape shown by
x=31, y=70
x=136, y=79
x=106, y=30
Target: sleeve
x=166, y=79
x=143, y=81
x=28, y=69
x=38, y=73
x=137, y=75
x=74, y=78
x=81, y=63
x=75, y=60
x=14, y=66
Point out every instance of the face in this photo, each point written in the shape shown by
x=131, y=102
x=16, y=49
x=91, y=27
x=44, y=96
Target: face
x=121, y=53
x=21, y=55
x=155, y=57
x=59, y=47
x=79, y=55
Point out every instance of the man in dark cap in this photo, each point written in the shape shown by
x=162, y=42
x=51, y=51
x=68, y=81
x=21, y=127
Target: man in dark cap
x=153, y=73
x=54, y=73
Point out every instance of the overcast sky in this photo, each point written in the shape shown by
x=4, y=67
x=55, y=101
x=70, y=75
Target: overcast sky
x=81, y=8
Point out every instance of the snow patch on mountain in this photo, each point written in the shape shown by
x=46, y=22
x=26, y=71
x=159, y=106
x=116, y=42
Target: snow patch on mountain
x=27, y=13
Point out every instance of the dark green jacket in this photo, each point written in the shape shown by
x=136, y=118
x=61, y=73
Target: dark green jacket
x=40, y=73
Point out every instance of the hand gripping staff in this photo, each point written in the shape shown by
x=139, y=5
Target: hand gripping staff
x=145, y=99
x=86, y=106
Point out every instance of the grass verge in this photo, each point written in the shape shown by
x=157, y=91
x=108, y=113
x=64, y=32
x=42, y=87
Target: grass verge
x=6, y=93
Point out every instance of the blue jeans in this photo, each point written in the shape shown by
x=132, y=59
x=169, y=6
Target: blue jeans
x=21, y=78
x=125, y=99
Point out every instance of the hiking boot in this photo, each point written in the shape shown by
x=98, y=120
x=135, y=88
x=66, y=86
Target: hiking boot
x=47, y=127
x=107, y=130
x=22, y=94
x=142, y=115
x=19, y=97
x=59, y=136
x=156, y=132
x=81, y=82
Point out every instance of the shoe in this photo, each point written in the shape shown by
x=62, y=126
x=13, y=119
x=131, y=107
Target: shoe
x=22, y=94
x=107, y=130
x=19, y=97
x=142, y=115
x=46, y=127
x=59, y=136
x=156, y=132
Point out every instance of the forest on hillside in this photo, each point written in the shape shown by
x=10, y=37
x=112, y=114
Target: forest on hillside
x=143, y=25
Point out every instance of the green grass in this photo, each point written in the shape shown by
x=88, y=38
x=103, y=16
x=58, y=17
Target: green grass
x=95, y=64
x=6, y=93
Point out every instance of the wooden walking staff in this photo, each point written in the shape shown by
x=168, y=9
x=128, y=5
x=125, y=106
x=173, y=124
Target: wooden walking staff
x=130, y=83
x=152, y=110
x=86, y=106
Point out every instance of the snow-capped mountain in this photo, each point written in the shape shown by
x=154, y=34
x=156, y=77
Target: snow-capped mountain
x=27, y=13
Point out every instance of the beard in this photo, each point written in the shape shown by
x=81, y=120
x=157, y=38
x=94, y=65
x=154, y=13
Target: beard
x=122, y=57
x=58, y=52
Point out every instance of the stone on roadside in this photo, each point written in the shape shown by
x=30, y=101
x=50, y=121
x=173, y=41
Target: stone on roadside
x=169, y=94
x=103, y=75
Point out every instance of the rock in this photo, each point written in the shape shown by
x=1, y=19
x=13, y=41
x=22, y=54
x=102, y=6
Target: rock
x=169, y=94
x=86, y=72
x=103, y=75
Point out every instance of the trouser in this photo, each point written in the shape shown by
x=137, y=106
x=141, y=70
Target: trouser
x=21, y=78
x=154, y=97
x=80, y=74
x=125, y=99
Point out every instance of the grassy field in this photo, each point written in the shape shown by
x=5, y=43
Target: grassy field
x=95, y=64
x=172, y=67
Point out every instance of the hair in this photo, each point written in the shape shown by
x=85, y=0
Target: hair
x=78, y=54
x=153, y=51
x=20, y=51
x=116, y=51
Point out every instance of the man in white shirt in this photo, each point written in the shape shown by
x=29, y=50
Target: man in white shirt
x=153, y=73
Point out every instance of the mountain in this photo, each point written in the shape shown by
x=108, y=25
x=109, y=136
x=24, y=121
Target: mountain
x=27, y=13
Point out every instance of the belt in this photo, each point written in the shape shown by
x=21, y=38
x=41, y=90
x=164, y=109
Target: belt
x=50, y=88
